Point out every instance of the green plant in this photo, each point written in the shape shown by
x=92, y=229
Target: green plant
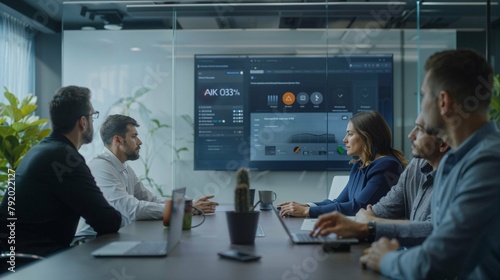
x=495, y=99
x=242, y=192
x=150, y=154
x=20, y=130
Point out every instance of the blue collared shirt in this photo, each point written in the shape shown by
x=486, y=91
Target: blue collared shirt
x=465, y=216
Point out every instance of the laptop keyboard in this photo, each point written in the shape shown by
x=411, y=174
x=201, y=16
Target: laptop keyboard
x=147, y=248
x=305, y=237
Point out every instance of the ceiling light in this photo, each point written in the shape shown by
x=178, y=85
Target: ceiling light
x=456, y=3
x=112, y=26
x=270, y=4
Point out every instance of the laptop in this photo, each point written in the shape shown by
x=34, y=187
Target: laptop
x=305, y=238
x=150, y=248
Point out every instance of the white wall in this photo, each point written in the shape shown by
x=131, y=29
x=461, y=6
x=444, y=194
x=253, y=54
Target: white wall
x=47, y=69
x=104, y=62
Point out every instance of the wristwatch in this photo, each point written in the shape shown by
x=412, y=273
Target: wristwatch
x=371, y=231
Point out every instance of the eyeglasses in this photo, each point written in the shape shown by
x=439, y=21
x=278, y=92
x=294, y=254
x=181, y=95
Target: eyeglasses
x=94, y=115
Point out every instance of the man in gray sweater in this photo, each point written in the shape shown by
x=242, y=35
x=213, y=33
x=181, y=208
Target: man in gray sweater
x=405, y=211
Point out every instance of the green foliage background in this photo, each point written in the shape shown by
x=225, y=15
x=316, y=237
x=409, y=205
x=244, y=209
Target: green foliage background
x=495, y=100
x=20, y=130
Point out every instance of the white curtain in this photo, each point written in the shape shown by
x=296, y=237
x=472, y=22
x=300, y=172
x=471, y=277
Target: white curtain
x=17, y=56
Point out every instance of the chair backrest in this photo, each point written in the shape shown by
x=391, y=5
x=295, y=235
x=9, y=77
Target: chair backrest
x=338, y=184
x=20, y=260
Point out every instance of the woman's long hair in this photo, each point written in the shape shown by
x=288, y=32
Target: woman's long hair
x=376, y=137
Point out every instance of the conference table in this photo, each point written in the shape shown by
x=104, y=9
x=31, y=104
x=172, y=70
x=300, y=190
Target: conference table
x=195, y=257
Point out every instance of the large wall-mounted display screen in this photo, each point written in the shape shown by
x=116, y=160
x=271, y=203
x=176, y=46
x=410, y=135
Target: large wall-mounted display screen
x=284, y=112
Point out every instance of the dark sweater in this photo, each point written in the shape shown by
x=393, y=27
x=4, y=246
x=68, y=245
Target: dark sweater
x=53, y=188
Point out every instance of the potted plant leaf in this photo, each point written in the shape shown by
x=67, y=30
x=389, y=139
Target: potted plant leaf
x=20, y=130
x=243, y=221
x=495, y=100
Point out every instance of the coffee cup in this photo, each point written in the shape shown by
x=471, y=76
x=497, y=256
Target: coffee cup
x=167, y=212
x=187, y=217
x=266, y=199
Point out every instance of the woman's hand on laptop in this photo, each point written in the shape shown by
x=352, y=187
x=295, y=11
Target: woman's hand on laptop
x=294, y=209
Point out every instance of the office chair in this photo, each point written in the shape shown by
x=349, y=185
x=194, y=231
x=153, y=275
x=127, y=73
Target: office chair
x=338, y=184
x=21, y=259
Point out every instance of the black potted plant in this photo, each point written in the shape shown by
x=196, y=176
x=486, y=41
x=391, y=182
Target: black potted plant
x=243, y=221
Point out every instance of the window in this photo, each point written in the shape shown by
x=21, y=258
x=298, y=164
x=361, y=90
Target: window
x=16, y=56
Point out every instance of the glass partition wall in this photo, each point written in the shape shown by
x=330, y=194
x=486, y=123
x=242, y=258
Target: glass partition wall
x=163, y=64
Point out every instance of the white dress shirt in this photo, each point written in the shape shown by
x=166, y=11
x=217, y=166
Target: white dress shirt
x=123, y=190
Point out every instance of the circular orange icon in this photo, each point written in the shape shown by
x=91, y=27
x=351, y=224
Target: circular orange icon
x=288, y=98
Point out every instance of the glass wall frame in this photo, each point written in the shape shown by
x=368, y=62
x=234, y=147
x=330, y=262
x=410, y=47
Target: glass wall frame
x=147, y=71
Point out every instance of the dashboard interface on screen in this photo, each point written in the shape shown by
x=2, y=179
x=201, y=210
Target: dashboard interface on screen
x=284, y=112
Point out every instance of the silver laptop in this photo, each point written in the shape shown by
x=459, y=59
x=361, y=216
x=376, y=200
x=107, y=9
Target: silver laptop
x=304, y=238
x=150, y=248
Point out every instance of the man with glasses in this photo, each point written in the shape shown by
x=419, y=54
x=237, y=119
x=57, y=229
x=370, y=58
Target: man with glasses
x=54, y=186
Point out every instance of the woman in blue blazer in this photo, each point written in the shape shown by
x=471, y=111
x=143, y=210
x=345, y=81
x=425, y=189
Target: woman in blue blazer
x=376, y=168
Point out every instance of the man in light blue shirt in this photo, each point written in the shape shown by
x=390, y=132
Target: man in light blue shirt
x=456, y=93
x=464, y=243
